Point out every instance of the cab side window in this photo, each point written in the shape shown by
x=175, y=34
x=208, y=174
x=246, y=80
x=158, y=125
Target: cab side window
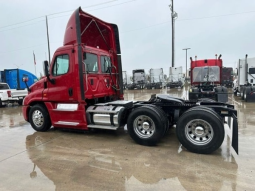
x=105, y=64
x=91, y=63
x=61, y=65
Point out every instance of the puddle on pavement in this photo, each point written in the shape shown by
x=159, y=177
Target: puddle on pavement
x=74, y=162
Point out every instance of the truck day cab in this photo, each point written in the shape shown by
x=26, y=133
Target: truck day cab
x=245, y=83
x=206, y=80
x=83, y=90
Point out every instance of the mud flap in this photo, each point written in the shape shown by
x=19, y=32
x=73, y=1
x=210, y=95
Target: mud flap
x=234, y=132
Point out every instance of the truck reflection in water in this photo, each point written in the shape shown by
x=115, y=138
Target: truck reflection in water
x=74, y=163
x=11, y=116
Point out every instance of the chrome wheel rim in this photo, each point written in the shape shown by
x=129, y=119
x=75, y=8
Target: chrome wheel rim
x=199, y=132
x=38, y=118
x=144, y=126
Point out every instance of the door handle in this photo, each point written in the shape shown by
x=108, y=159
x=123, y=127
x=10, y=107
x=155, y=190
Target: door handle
x=70, y=92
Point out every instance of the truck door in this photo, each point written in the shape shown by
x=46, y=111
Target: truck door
x=62, y=90
x=106, y=80
x=91, y=75
x=99, y=75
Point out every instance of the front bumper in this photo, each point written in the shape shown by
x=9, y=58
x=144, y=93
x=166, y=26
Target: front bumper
x=25, y=112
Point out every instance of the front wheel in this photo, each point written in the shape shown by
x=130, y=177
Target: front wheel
x=200, y=130
x=39, y=118
x=145, y=126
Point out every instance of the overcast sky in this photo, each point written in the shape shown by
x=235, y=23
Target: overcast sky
x=207, y=27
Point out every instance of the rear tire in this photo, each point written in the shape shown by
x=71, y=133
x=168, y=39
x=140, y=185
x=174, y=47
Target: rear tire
x=245, y=94
x=145, y=126
x=39, y=118
x=200, y=130
x=163, y=116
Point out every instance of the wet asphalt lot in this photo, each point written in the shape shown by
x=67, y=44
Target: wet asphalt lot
x=110, y=160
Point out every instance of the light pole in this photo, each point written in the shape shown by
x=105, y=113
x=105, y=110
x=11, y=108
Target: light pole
x=174, y=16
x=186, y=63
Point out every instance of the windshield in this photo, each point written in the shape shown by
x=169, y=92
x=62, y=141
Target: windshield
x=139, y=77
x=156, y=75
x=206, y=74
x=4, y=87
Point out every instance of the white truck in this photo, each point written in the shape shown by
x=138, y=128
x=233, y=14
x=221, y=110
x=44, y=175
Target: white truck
x=176, y=77
x=126, y=79
x=155, y=79
x=245, y=83
x=8, y=95
x=138, y=80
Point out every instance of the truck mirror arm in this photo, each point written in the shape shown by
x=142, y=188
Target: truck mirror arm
x=51, y=80
x=25, y=80
x=28, y=89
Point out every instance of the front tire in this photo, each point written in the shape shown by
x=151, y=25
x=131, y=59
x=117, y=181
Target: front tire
x=145, y=126
x=200, y=130
x=39, y=118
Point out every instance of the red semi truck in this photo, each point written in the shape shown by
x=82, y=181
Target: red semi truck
x=227, y=77
x=82, y=89
x=206, y=80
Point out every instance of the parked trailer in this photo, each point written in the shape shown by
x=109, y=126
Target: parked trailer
x=206, y=80
x=227, y=77
x=156, y=79
x=245, y=84
x=73, y=96
x=138, y=79
x=13, y=77
x=124, y=76
x=176, y=77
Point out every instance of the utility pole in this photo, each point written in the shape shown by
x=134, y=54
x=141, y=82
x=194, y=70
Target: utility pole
x=48, y=38
x=174, y=16
x=186, y=63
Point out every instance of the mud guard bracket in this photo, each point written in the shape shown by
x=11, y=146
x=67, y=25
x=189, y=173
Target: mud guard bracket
x=234, y=132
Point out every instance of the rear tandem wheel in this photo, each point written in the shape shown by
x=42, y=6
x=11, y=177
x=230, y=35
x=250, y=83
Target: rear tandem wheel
x=200, y=130
x=145, y=126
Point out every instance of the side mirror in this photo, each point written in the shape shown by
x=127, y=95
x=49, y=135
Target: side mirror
x=46, y=71
x=46, y=68
x=236, y=71
x=25, y=80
